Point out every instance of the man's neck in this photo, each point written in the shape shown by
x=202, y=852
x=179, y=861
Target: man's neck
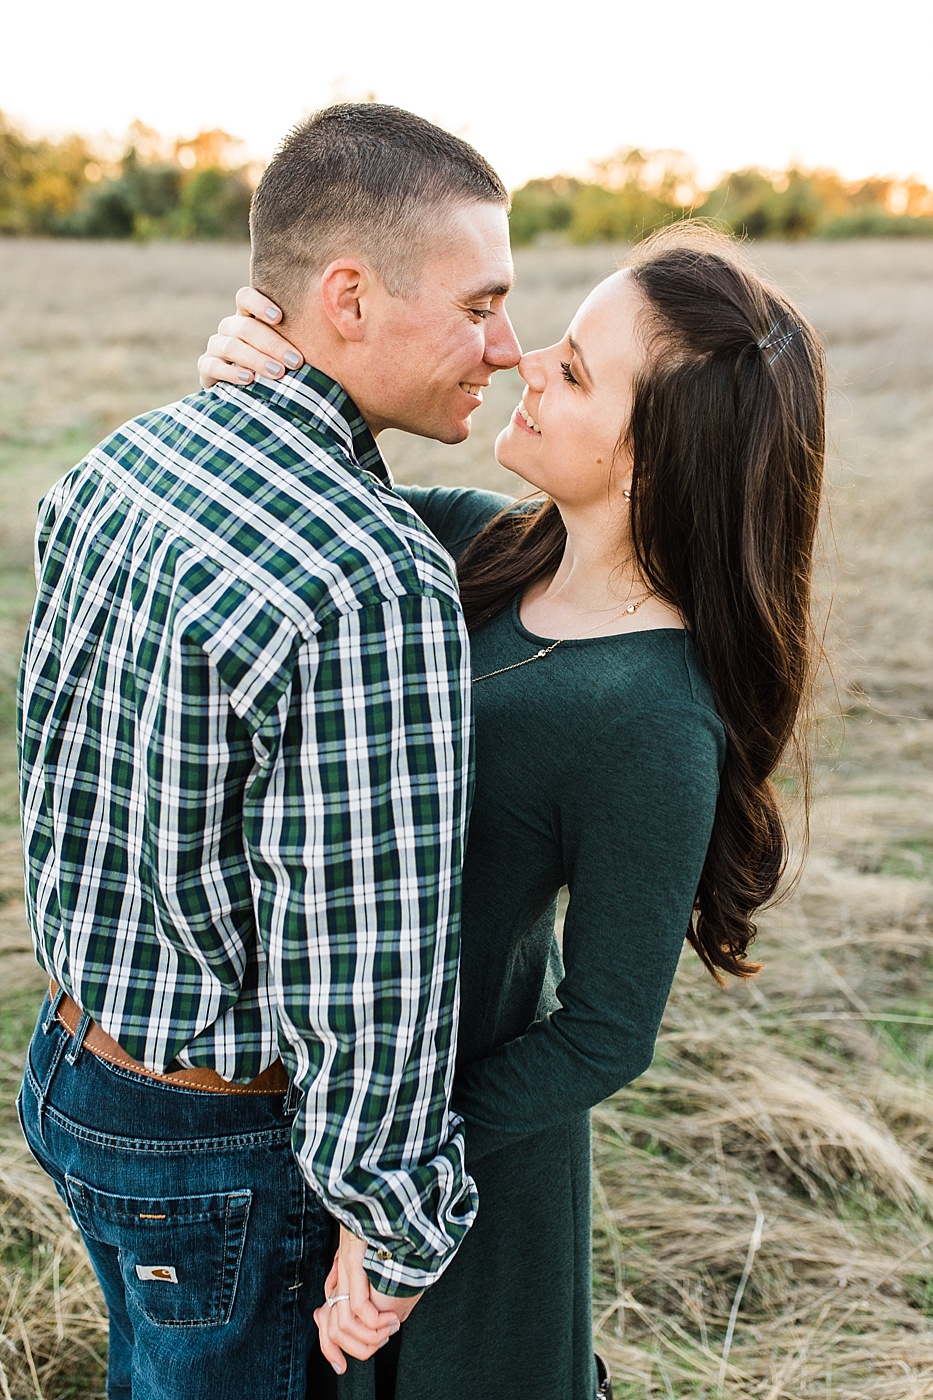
x=318, y=349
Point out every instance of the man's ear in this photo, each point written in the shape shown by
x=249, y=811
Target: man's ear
x=345, y=285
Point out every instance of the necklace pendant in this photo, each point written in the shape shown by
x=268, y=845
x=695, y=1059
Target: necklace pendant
x=543, y=652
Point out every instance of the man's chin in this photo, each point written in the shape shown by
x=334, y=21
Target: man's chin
x=452, y=432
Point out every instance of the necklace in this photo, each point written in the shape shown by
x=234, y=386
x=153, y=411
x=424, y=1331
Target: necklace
x=546, y=651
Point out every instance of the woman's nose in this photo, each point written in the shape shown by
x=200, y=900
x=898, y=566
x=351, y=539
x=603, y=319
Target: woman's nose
x=531, y=369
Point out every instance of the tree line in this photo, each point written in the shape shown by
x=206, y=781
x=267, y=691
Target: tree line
x=200, y=189
x=635, y=191
x=154, y=188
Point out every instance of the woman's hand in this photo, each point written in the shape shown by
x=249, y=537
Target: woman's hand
x=363, y=1321
x=246, y=345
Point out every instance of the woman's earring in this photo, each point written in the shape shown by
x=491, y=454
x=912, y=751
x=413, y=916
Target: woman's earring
x=627, y=494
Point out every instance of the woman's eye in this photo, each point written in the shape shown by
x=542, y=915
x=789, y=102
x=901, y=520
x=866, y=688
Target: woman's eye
x=566, y=372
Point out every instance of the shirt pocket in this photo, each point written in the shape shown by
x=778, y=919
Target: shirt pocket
x=179, y=1255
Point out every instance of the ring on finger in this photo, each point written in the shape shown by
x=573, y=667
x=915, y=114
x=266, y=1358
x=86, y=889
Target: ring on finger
x=337, y=1298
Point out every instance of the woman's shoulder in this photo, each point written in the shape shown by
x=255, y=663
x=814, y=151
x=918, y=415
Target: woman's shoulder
x=641, y=669
x=648, y=686
x=660, y=668
x=454, y=514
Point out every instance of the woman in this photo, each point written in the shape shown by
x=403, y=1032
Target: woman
x=641, y=652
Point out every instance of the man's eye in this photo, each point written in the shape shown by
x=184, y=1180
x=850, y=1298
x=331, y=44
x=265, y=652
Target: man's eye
x=481, y=312
x=566, y=372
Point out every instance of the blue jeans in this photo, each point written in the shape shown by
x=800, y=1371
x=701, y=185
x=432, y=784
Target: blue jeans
x=210, y=1248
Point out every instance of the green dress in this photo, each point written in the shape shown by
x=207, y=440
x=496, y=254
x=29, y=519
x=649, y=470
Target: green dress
x=597, y=769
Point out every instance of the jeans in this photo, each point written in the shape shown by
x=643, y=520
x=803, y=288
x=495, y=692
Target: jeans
x=210, y=1248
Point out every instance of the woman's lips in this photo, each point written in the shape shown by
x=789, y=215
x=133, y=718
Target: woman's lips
x=523, y=418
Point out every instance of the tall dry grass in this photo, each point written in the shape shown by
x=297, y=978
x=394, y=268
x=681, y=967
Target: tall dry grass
x=763, y=1222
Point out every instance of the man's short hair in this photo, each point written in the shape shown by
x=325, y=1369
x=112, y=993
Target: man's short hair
x=362, y=179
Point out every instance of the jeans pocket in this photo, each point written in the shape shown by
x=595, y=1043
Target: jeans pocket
x=179, y=1255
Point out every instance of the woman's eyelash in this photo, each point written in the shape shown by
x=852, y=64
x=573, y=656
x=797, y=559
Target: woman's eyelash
x=566, y=372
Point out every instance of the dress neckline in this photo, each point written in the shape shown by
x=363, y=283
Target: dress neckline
x=523, y=631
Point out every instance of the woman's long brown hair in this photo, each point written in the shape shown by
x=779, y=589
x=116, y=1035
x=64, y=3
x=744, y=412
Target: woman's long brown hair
x=727, y=436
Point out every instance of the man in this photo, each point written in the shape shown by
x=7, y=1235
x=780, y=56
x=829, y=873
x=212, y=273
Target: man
x=245, y=770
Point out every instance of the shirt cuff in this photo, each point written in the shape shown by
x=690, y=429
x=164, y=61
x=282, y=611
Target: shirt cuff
x=390, y=1274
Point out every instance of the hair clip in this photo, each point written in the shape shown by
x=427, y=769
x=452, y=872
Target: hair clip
x=778, y=343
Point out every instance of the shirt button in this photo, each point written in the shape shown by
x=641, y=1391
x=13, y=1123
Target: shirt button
x=383, y=1254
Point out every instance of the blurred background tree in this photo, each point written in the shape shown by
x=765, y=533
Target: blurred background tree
x=635, y=191
x=199, y=188
x=41, y=182
x=190, y=189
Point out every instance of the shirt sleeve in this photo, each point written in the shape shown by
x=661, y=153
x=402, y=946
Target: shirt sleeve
x=45, y=523
x=635, y=819
x=354, y=826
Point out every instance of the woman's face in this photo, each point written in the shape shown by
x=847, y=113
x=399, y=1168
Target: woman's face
x=564, y=435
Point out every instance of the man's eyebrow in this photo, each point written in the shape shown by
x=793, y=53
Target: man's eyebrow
x=499, y=289
x=579, y=354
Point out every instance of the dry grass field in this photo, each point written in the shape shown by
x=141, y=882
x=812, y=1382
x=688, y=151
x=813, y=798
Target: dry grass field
x=764, y=1198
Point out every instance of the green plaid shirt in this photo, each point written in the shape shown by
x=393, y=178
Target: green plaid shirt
x=244, y=738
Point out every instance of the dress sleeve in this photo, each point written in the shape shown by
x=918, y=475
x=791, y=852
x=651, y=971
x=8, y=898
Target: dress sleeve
x=454, y=514
x=354, y=826
x=635, y=819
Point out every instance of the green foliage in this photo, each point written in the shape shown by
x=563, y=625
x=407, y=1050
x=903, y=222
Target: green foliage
x=41, y=182
x=636, y=191
x=139, y=202
x=214, y=204
x=105, y=213
x=606, y=215
x=586, y=212
x=631, y=193
x=752, y=204
x=878, y=223
x=195, y=189
x=542, y=207
x=191, y=190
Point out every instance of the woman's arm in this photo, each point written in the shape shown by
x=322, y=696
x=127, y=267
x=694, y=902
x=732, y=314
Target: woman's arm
x=453, y=514
x=635, y=815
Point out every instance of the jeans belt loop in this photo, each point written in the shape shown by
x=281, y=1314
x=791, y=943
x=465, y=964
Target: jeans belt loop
x=77, y=1040
x=55, y=1002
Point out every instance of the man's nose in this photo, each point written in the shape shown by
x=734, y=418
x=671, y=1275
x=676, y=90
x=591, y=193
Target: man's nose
x=502, y=348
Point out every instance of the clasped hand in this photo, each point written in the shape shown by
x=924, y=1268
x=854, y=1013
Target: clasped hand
x=364, y=1319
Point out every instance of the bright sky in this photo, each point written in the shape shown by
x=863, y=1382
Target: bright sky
x=539, y=87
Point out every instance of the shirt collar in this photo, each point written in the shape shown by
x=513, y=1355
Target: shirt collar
x=311, y=398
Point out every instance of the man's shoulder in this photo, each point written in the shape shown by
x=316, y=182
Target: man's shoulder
x=280, y=502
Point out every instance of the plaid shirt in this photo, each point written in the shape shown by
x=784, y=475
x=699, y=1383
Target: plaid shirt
x=244, y=724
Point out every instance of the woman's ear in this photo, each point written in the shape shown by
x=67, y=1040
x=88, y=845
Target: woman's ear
x=345, y=283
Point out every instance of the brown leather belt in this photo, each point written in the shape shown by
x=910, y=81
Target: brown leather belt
x=273, y=1080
